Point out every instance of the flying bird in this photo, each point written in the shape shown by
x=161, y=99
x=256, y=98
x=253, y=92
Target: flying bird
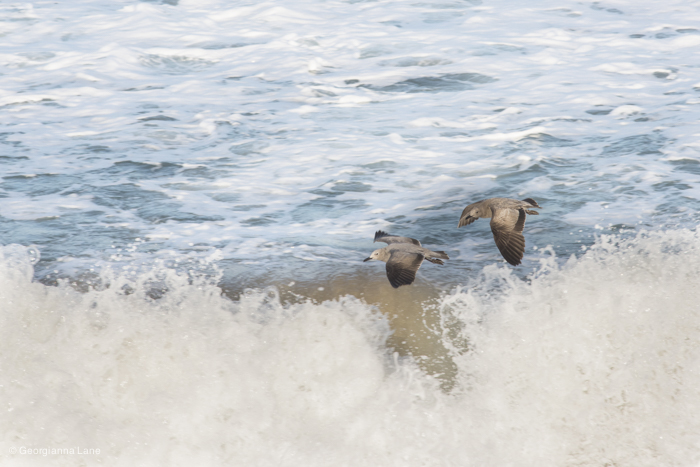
x=507, y=222
x=403, y=257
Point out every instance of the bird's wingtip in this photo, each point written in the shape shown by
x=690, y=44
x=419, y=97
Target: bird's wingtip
x=379, y=234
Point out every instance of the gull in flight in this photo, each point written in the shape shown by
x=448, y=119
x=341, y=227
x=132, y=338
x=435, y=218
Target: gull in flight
x=507, y=222
x=403, y=257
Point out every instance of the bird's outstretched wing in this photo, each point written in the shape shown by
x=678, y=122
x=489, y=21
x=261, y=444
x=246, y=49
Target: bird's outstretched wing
x=507, y=228
x=402, y=267
x=381, y=236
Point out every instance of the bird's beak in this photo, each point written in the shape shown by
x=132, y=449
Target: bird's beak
x=366, y=259
x=463, y=221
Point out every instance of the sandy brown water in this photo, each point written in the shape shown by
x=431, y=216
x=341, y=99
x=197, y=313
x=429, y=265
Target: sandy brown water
x=412, y=313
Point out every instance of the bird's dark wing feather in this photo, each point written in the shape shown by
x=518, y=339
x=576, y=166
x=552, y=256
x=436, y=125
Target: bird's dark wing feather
x=508, y=234
x=381, y=236
x=402, y=267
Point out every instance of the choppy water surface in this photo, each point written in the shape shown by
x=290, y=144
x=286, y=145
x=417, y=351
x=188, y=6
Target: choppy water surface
x=200, y=181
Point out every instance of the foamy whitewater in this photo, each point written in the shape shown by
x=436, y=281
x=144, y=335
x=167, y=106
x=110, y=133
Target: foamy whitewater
x=188, y=189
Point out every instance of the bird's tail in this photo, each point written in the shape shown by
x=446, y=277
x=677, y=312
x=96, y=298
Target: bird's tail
x=441, y=254
x=532, y=202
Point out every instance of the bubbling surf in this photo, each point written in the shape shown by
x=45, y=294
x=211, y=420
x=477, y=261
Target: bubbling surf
x=589, y=361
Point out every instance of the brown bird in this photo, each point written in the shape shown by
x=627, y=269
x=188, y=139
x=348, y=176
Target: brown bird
x=403, y=257
x=507, y=222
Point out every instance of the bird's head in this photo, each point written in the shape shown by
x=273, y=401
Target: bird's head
x=375, y=255
x=470, y=214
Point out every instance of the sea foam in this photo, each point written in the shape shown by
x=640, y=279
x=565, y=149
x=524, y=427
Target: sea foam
x=590, y=362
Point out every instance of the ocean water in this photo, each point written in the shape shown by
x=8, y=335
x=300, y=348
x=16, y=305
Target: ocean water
x=188, y=189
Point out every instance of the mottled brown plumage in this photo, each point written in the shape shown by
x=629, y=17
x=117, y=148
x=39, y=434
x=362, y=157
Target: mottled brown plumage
x=507, y=223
